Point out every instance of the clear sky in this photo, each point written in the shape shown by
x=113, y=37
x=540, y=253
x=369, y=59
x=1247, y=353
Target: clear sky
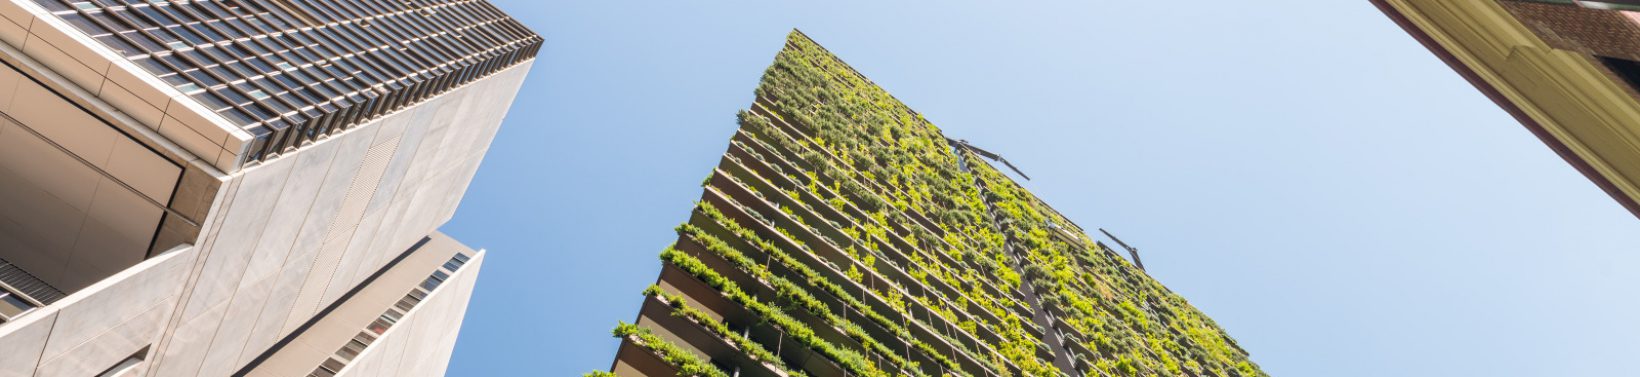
x=1302, y=171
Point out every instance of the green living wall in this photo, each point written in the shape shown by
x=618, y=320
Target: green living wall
x=846, y=223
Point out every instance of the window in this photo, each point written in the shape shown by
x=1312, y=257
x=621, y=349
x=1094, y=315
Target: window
x=389, y=317
x=12, y=306
x=1625, y=69
x=365, y=338
x=127, y=367
x=189, y=88
x=329, y=368
x=350, y=350
x=379, y=326
x=405, y=304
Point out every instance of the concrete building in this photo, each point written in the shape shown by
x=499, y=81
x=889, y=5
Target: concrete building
x=230, y=187
x=1567, y=70
x=842, y=234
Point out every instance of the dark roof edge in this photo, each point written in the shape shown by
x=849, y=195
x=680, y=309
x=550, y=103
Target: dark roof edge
x=1497, y=97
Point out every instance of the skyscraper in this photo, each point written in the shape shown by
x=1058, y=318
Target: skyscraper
x=233, y=187
x=1567, y=70
x=842, y=234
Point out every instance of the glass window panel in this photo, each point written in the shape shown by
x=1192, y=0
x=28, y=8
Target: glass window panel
x=332, y=365
x=236, y=96
x=286, y=80
x=413, y=300
x=151, y=65
x=55, y=6
x=175, y=79
x=209, y=33
x=189, y=88
x=203, y=78
x=365, y=337
x=212, y=100
x=187, y=34
x=13, y=306
x=85, y=25
x=143, y=41
x=259, y=111
x=119, y=45
x=260, y=64
x=240, y=27
x=348, y=352
x=379, y=326
x=240, y=69
x=237, y=115
x=178, y=13
x=129, y=21
x=155, y=16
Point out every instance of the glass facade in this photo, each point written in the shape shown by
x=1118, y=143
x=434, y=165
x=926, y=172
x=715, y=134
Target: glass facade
x=291, y=71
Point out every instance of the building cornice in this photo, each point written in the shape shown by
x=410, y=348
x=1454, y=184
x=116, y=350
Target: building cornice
x=105, y=75
x=1563, y=97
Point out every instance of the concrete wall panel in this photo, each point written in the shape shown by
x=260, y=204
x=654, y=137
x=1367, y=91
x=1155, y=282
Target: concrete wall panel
x=94, y=328
x=24, y=340
x=421, y=343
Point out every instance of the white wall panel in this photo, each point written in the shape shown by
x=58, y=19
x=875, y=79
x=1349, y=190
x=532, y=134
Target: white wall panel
x=24, y=342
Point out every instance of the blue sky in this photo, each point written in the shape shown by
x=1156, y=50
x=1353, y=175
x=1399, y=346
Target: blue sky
x=1302, y=171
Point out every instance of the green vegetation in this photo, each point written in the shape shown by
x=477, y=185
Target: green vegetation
x=850, y=359
x=1149, y=329
x=687, y=363
x=809, y=276
x=845, y=225
x=681, y=309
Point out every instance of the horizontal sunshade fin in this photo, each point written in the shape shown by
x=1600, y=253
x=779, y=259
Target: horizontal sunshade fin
x=291, y=71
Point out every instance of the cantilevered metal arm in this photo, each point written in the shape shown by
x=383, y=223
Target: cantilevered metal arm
x=963, y=144
x=1131, y=250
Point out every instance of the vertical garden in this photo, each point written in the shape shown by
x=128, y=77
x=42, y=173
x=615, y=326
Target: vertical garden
x=841, y=234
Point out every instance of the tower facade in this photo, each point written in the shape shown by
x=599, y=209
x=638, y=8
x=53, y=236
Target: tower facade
x=843, y=235
x=1567, y=70
x=234, y=187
